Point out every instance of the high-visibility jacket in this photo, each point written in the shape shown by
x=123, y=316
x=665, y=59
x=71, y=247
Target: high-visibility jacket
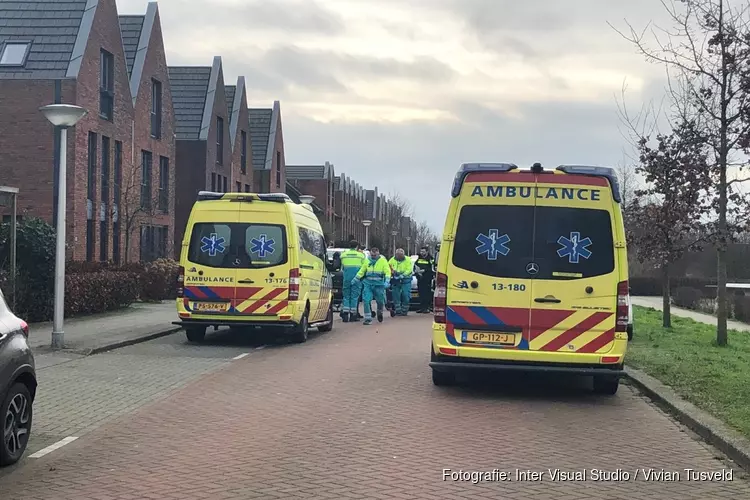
x=401, y=269
x=425, y=264
x=351, y=262
x=375, y=270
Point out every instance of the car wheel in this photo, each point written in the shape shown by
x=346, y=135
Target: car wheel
x=16, y=414
x=630, y=333
x=302, y=330
x=442, y=379
x=328, y=326
x=195, y=334
x=606, y=385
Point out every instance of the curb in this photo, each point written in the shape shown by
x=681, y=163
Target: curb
x=127, y=342
x=711, y=429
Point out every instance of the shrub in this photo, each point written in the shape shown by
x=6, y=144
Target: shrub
x=687, y=297
x=96, y=292
x=159, y=280
x=742, y=308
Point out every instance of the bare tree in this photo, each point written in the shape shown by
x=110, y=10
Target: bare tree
x=705, y=51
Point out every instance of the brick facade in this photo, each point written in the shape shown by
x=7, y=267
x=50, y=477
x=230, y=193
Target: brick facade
x=242, y=181
x=278, y=164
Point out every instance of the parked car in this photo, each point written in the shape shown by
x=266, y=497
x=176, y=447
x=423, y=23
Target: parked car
x=17, y=385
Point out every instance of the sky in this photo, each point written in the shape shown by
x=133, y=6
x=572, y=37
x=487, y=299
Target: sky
x=397, y=94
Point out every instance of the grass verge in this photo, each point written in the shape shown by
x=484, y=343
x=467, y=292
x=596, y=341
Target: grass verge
x=686, y=358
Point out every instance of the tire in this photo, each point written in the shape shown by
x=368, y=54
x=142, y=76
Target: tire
x=443, y=379
x=196, y=334
x=15, y=409
x=630, y=333
x=606, y=385
x=302, y=331
x=328, y=326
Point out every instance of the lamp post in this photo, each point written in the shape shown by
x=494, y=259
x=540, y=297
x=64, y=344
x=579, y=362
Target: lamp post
x=394, y=233
x=367, y=223
x=63, y=116
x=306, y=199
x=408, y=245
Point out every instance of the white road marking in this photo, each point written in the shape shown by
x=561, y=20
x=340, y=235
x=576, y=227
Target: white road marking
x=53, y=447
x=241, y=355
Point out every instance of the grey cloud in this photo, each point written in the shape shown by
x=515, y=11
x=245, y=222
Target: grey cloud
x=293, y=16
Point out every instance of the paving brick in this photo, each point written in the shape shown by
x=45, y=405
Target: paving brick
x=325, y=419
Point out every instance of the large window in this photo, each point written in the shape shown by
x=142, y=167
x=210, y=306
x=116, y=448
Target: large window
x=219, y=140
x=107, y=85
x=313, y=243
x=90, y=196
x=164, y=184
x=278, y=169
x=146, y=190
x=230, y=245
x=154, y=242
x=156, y=102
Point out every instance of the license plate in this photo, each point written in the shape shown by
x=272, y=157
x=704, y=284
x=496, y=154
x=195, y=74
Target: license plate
x=488, y=338
x=211, y=306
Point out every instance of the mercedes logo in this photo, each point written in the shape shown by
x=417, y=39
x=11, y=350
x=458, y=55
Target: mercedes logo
x=532, y=268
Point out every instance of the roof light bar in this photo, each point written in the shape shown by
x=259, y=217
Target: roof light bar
x=467, y=168
x=596, y=171
x=209, y=195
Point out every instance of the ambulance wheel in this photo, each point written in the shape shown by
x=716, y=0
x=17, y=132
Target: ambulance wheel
x=328, y=325
x=443, y=379
x=195, y=333
x=606, y=385
x=302, y=330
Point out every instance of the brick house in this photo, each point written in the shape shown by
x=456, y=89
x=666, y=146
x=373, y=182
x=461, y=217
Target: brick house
x=267, y=137
x=144, y=198
x=317, y=181
x=241, y=176
x=70, y=52
x=204, y=152
x=349, y=209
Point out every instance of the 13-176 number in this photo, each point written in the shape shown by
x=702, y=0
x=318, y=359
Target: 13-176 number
x=515, y=287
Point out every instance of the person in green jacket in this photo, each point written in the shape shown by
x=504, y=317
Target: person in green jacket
x=375, y=274
x=401, y=269
x=351, y=262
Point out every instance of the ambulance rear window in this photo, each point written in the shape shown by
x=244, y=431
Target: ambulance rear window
x=232, y=245
x=494, y=240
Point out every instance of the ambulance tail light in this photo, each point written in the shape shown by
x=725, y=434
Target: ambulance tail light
x=181, y=283
x=623, y=306
x=441, y=300
x=294, y=279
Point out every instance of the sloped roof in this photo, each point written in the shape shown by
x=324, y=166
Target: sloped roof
x=234, y=95
x=229, y=91
x=193, y=90
x=58, y=31
x=260, y=130
x=130, y=27
x=306, y=171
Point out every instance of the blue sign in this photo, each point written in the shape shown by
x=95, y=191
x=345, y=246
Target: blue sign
x=574, y=247
x=262, y=246
x=213, y=245
x=493, y=244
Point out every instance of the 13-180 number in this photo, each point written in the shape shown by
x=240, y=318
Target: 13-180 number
x=515, y=287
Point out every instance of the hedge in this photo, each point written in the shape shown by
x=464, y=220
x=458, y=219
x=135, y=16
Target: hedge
x=648, y=286
x=90, y=287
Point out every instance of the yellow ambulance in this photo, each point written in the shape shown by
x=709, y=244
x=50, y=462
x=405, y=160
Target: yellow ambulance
x=532, y=274
x=253, y=260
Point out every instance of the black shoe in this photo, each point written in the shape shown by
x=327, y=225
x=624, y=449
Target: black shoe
x=380, y=317
x=345, y=317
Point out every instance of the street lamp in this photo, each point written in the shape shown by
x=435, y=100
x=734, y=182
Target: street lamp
x=306, y=199
x=408, y=245
x=367, y=223
x=63, y=116
x=394, y=233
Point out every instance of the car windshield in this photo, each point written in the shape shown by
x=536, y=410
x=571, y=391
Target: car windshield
x=231, y=245
x=501, y=240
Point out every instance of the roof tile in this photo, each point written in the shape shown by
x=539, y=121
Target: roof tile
x=260, y=130
x=189, y=86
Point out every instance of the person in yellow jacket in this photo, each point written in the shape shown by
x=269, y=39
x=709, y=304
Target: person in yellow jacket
x=375, y=274
x=401, y=269
x=351, y=262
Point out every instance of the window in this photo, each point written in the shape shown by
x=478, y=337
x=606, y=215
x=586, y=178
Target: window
x=107, y=85
x=156, y=109
x=247, y=188
x=243, y=153
x=14, y=53
x=312, y=242
x=105, y=170
x=164, y=184
x=146, y=191
x=154, y=240
x=238, y=185
x=103, y=240
x=213, y=182
x=229, y=245
x=225, y=181
x=116, y=194
x=558, y=227
x=219, y=140
x=278, y=169
x=90, y=196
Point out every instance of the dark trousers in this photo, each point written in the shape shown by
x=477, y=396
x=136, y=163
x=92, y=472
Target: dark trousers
x=424, y=286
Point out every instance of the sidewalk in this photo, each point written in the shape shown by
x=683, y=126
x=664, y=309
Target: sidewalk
x=102, y=332
x=656, y=303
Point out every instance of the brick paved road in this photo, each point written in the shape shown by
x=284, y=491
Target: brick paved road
x=353, y=414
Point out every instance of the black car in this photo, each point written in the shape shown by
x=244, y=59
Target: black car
x=17, y=385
